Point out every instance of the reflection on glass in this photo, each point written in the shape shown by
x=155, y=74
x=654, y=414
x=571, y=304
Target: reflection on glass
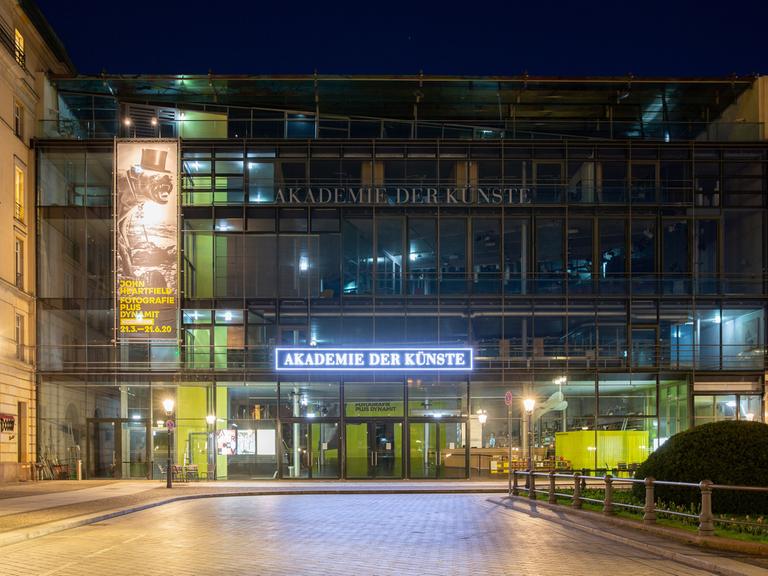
x=357, y=247
x=422, y=251
x=453, y=256
x=389, y=260
x=580, y=255
x=549, y=254
x=486, y=255
x=515, y=255
x=643, y=260
x=613, y=255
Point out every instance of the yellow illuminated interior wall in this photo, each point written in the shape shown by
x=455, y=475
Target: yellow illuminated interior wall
x=417, y=448
x=612, y=447
x=222, y=406
x=191, y=427
x=203, y=125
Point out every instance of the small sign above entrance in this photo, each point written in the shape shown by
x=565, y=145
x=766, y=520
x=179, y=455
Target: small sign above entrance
x=508, y=398
x=368, y=359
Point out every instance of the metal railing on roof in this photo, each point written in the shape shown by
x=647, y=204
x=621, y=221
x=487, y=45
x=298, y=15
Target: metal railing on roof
x=387, y=129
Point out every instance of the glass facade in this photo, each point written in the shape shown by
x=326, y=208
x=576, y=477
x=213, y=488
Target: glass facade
x=621, y=285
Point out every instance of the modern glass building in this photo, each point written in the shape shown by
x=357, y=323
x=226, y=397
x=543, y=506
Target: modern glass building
x=600, y=244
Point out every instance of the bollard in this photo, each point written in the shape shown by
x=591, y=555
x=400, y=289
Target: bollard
x=552, y=497
x=706, y=519
x=608, y=501
x=649, y=510
x=576, y=491
x=515, y=488
x=531, y=485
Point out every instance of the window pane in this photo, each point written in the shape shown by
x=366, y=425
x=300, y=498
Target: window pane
x=373, y=399
x=549, y=186
x=515, y=255
x=198, y=265
x=580, y=255
x=614, y=182
x=325, y=275
x=358, y=255
x=422, y=253
x=743, y=257
x=643, y=256
x=643, y=182
x=673, y=408
x=294, y=266
x=743, y=338
x=261, y=182
x=309, y=399
x=261, y=266
x=549, y=254
x=389, y=261
x=486, y=256
x=581, y=182
x=613, y=256
x=453, y=256
x=706, y=256
x=675, y=259
x=436, y=399
x=708, y=323
x=229, y=266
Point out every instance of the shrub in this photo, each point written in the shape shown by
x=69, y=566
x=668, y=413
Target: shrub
x=734, y=453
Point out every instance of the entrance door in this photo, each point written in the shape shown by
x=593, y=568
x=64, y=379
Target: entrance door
x=102, y=449
x=134, y=441
x=437, y=450
x=374, y=449
x=118, y=448
x=310, y=450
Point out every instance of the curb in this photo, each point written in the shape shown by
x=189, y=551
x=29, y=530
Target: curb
x=24, y=534
x=691, y=561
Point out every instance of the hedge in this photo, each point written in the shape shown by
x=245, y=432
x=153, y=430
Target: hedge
x=733, y=453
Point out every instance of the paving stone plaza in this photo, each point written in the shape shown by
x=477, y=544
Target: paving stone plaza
x=433, y=534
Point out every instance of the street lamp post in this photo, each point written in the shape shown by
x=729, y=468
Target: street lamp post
x=529, y=404
x=168, y=404
x=482, y=417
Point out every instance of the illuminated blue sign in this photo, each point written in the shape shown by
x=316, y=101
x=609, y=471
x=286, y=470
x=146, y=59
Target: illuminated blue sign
x=366, y=359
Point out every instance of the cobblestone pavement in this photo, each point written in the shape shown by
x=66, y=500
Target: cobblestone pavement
x=38, y=504
x=433, y=534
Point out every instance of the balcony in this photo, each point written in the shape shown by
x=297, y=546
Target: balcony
x=8, y=41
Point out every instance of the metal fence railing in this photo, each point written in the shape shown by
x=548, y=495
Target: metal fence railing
x=650, y=508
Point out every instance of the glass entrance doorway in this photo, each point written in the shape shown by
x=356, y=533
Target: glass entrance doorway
x=118, y=448
x=374, y=449
x=437, y=450
x=310, y=450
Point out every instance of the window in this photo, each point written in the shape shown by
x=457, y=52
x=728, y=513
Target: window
x=19, y=47
x=19, y=337
x=19, y=264
x=18, y=119
x=18, y=189
x=390, y=256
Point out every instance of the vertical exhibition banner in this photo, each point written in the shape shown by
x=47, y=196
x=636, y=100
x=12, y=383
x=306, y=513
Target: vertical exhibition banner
x=146, y=239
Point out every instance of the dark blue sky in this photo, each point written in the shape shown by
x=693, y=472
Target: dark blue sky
x=544, y=37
